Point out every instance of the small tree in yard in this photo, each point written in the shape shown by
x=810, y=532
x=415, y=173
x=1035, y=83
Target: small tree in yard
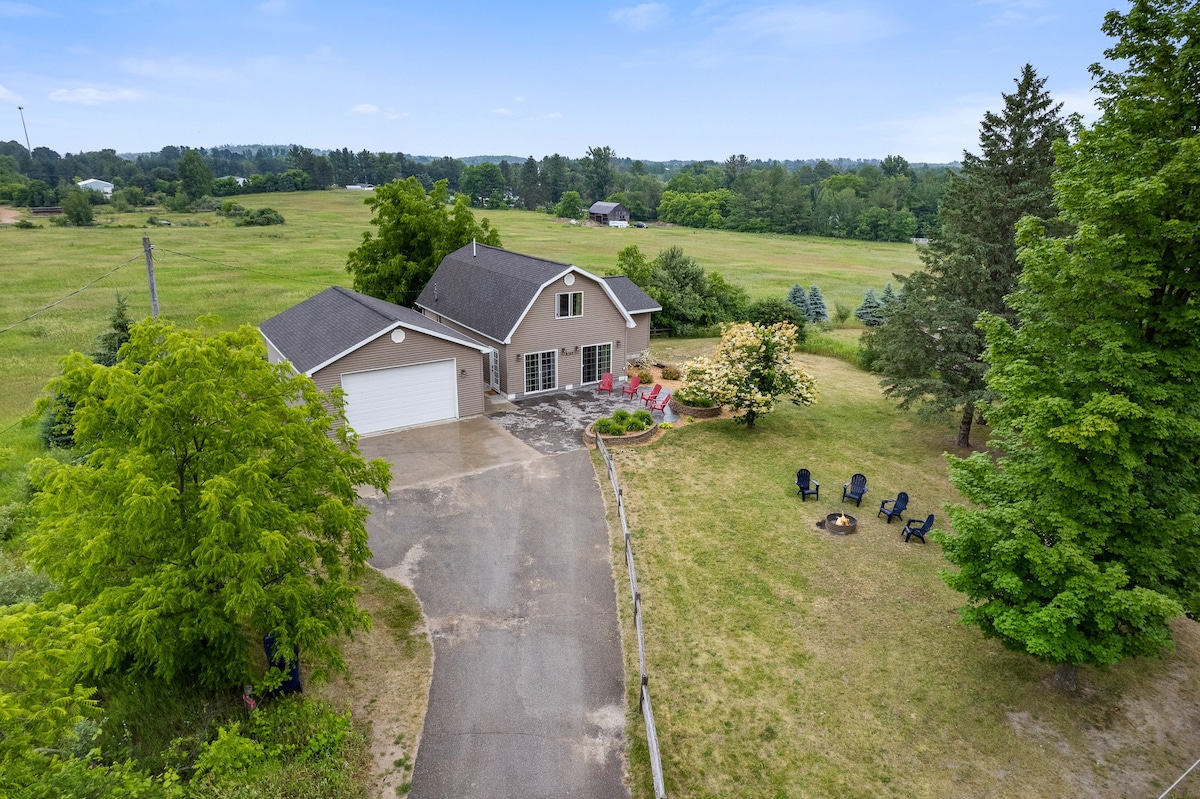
x=216, y=505
x=799, y=297
x=870, y=313
x=751, y=369
x=817, y=312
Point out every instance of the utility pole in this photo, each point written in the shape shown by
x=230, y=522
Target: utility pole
x=150, y=275
x=28, y=149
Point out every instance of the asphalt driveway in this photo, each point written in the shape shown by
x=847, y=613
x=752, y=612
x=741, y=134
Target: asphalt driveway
x=510, y=558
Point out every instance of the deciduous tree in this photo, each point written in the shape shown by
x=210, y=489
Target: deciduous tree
x=1084, y=539
x=752, y=369
x=194, y=174
x=414, y=232
x=217, y=504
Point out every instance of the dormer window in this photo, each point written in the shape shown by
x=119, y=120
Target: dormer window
x=569, y=304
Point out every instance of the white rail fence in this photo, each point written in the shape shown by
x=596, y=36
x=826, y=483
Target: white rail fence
x=645, y=706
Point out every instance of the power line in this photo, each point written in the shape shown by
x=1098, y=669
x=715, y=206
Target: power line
x=1181, y=776
x=72, y=294
x=241, y=268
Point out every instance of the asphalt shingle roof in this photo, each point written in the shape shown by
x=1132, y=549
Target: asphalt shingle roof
x=339, y=320
x=631, y=296
x=602, y=208
x=488, y=289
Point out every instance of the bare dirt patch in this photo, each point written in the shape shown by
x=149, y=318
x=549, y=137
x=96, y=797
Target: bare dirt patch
x=387, y=686
x=9, y=215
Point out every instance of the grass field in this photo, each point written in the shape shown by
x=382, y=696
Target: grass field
x=244, y=275
x=788, y=662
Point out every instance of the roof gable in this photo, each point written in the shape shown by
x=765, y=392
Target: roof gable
x=490, y=290
x=337, y=321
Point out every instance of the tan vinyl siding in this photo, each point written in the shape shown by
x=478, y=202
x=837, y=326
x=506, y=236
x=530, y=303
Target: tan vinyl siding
x=600, y=323
x=639, y=337
x=417, y=347
x=482, y=339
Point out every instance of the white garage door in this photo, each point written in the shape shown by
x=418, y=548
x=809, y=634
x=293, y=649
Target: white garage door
x=384, y=399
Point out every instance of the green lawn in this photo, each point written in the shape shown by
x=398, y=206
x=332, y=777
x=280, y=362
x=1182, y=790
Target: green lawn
x=788, y=662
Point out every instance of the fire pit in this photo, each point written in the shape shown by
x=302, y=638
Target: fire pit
x=840, y=524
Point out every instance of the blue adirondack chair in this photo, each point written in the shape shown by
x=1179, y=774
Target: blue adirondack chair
x=911, y=528
x=807, y=485
x=899, y=505
x=855, y=489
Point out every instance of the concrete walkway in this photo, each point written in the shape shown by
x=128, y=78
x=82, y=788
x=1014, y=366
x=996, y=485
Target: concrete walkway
x=508, y=551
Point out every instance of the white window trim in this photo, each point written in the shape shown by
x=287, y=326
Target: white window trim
x=524, y=373
x=611, y=351
x=558, y=305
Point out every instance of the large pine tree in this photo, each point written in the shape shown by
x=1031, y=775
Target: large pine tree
x=1084, y=539
x=929, y=352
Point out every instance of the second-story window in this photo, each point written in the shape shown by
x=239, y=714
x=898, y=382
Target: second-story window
x=569, y=304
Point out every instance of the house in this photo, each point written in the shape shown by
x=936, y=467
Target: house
x=92, y=184
x=361, y=186
x=546, y=325
x=398, y=367
x=611, y=214
x=236, y=179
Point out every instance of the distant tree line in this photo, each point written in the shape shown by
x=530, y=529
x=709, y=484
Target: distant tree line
x=886, y=201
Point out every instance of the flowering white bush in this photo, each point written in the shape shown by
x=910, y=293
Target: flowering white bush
x=751, y=369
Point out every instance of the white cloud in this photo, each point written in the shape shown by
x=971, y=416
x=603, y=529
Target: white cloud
x=504, y=112
x=808, y=24
x=366, y=109
x=554, y=115
x=518, y=99
x=23, y=10
x=6, y=94
x=93, y=96
x=272, y=6
x=641, y=17
x=176, y=69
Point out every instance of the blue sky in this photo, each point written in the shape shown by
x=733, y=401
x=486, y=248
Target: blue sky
x=657, y=80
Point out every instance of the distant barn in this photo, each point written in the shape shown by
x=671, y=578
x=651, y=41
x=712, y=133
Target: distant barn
x=611, y=214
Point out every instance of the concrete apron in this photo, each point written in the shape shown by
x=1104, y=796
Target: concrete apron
x=441, y=451
x=508, y=552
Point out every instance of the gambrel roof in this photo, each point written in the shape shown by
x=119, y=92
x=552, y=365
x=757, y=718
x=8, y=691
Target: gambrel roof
x=489, y=290
x=338, y=321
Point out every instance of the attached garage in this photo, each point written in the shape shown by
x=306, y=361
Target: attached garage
x=397, y=367
x=402, y=396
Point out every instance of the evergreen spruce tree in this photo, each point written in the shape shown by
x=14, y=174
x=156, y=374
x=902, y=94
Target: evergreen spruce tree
x=1084, y=539
x=108, y=342
x=817, y=312
x=889, y=295
x=799, y=297
x=929, y=352
x=870, y=313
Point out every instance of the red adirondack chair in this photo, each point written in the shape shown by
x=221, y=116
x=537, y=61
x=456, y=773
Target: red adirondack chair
x=651, y=395
x=631, y=388
x=662, y=403
x=605, y=383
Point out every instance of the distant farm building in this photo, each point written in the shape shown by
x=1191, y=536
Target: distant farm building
x=361, y=186
x=102, y=186
x=611, y=214
x=238, y=180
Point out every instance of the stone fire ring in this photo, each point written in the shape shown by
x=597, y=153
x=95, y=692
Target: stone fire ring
x=831, y=524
